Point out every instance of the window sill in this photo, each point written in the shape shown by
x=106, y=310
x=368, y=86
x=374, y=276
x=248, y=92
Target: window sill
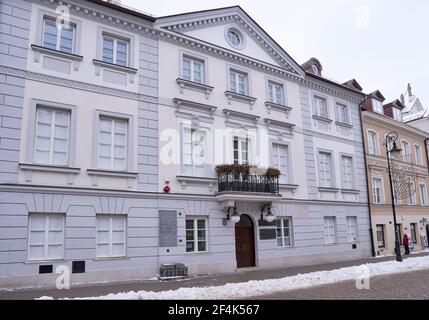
x=280, y=107
x=110, y=258
x=328, y=189
x=187, y=84
x=57, y=53
x=111, y=173
x=323, y=119
x=350, y=191
x=114, y=66
x=44, y=261
x=239, y=97
x=48, y=168
x=198, y=253
x=343, y=124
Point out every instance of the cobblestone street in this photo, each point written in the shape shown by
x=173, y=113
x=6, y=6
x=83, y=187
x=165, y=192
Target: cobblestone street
x=412, y=285
x=408, y=285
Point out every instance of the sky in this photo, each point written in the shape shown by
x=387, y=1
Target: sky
x=383, y=44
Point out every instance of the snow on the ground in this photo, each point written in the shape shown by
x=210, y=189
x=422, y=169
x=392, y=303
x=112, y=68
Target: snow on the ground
x=270, y=286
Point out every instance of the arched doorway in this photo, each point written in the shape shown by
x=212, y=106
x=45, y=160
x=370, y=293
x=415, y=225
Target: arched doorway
x=245, y=242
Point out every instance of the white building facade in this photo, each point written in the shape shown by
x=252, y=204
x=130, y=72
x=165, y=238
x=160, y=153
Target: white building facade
x=98, y=117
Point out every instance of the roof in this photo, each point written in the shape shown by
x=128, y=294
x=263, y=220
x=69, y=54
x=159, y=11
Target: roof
x=124, y=9
x=352, y=83
x=377, y=95
x=411, y=102
x=396, y=104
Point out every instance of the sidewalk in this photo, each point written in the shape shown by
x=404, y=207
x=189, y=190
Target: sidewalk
x=194, y=281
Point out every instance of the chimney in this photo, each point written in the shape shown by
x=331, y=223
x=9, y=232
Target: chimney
x=402, y=99
x=410, y=93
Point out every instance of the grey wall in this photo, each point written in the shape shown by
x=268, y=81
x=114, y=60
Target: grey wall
x=148, y=116
x=14, y=33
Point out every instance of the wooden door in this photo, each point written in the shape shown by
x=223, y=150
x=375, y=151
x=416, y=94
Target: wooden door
x=245, y=242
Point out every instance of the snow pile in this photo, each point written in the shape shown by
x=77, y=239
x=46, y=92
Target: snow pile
x=266, y=287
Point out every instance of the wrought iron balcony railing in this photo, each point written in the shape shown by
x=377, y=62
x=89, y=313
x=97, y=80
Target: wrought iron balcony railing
x=248, y=183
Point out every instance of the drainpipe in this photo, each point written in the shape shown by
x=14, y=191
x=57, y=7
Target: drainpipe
x=427, y=152
x=367, y=180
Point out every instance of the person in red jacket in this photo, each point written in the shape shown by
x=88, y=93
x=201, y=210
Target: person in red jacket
x=406, y=244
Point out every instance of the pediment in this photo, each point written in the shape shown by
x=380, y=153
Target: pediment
x=212, y=26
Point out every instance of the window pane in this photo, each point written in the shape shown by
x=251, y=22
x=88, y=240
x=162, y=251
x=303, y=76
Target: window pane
x=197, y=72
x=66, y=44
x=103, y=237
x=232, y=79
x=55, y=252
x=118, y=250
x=36, y=252
x=190, y=247
x=186, y=69
x=50, y=35
x=37, y=238
x=103, y=250
x=118, y=236
x=189, y=235
x=201, y=224
x=189, y=224
x=108, y=50
x=201, y=246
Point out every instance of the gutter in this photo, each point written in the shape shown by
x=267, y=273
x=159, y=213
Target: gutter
x=367, y=179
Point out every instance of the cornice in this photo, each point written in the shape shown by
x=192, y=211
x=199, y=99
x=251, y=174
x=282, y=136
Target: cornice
x=230, y=18
x=389, y=122
x=133, y=24
x=28, y=75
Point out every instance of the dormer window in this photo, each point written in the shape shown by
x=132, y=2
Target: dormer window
x=315, y=69
x=377, y=106
x=397, y=114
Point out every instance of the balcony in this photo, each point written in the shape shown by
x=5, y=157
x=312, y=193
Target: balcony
x=241, y=183
x=248, y=183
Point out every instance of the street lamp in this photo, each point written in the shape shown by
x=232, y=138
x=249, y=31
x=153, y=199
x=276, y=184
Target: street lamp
x=394, y=151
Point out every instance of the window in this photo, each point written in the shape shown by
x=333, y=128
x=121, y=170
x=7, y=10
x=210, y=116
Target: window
x=372, y=143
x=377, y=193
x=352, y=229
x=423, y=194
x=325, y=169
x=196, y=234
x=330, y=230
x=111, y=236
x=320, y=107
x=194, y=148
x=275, y=93
x=241, y=150
x=46, y=236
x=411, y=194
x=192, y=69
x=59, y=38
x=115, y=50
x=418, y=154
x=234, y=38
x=377, y=106
x=347, y=172
x=405, y=151
x=52, y=136
x=397, y=114
x=315, y=69
x=380, y=236
x=342, y=113
x=413, y=232
x=279, y=160
x=112, y=144
x=238, y=82
x=284, y=232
